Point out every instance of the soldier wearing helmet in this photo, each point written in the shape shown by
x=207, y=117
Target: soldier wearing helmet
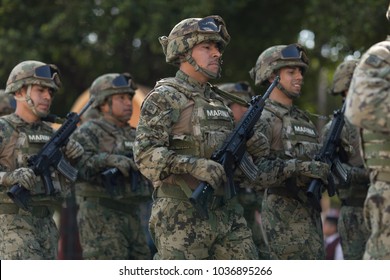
x=22, y=134
x=108, y=144
x=352, y=193
x=292, y=225
x=367, y=107
x=183, y=120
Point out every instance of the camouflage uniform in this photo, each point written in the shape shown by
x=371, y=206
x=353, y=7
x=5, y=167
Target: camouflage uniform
x=27, y=234
x=109, y=219
x=351, y=227
x=368, y=108
x=7, y=103
x=249, y=198
x=293, y=227
x=182, y=122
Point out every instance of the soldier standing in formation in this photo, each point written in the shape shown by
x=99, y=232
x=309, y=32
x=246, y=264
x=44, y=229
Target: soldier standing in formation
x=109, y=218
x=351, y=227
x=182, y=122
x=31, y=233
x=293, y=227
x=247, y=196
x=367, y=107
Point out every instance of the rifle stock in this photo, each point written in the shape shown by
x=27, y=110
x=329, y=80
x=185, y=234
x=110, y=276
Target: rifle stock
x=231, y=152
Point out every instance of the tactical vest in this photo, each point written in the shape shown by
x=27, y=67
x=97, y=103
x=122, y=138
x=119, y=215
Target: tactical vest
x=203, y=125
x=299, y=135
x=27, y=140
x=117, y=141
x=376, y=153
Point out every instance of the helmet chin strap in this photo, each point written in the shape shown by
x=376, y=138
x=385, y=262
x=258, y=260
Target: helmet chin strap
x=30, y=103
x=288, y=93
x=207, y=73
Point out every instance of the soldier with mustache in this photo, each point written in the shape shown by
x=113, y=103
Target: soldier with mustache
x=183, y=121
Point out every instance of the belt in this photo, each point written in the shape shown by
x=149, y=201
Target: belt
x=172, y=191
x=36, y=211
x=111, y=204
x=383, y=176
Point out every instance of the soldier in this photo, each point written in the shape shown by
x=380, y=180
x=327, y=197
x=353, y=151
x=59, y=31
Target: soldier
x=249, y=199
x=292, y=225
x=108, y=218
x=367, y=106
x=29, y=234
x=7, y=103
x=353, y=231
x=182, y=122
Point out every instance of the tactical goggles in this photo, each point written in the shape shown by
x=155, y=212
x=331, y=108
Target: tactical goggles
x=294, y=51
x=241, y=87
x=124, y=81
x=213, y=24
x=48, y=72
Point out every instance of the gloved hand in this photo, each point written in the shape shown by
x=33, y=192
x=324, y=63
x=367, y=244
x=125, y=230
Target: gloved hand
x=313, y=169
x=123, y=163
x=207, y=170
x=24, y=176
x=73, y=149
x=258, y=145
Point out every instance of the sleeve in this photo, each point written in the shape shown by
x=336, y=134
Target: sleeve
x=272, y=170
x=368, y=99
x=92, y=160
x=151, y=152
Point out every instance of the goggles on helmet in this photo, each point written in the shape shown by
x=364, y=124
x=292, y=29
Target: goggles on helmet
x=48, y=72
x=294, y=51
x=124, y=81
x=241, y=87
x=213, y=24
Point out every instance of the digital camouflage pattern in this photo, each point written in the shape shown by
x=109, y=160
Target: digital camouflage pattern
x=103, y=87
x=292, y=226
x=19, y=140
x=351, y=227
x=239, y=89
x=187, y=33
x=368, y=108
x=342, y=76
x=110, y=226
x=270, y=61
x=7, y=104
x=178, y=124
x=23, y=75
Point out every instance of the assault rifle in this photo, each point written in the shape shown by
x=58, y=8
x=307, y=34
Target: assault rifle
x=231, y=154
x=329, y=154
x=50, y=157
x=113, y=180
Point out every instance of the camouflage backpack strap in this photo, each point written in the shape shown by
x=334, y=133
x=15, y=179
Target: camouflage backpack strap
x=229, y=96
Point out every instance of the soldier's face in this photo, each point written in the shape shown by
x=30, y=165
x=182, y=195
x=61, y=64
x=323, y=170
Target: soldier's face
x=207, y=55
x=42, y=98
x=291, y=79
x=122, y=106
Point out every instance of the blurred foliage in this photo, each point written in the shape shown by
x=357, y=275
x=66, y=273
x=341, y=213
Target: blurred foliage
x=89, y=38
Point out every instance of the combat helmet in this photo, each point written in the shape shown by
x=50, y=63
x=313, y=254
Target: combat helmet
x=276, y=57
x=190, y=32
x=7, y=103
x=110, y=84
x=33, y=72
x=342, y=76
x=240, y=89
